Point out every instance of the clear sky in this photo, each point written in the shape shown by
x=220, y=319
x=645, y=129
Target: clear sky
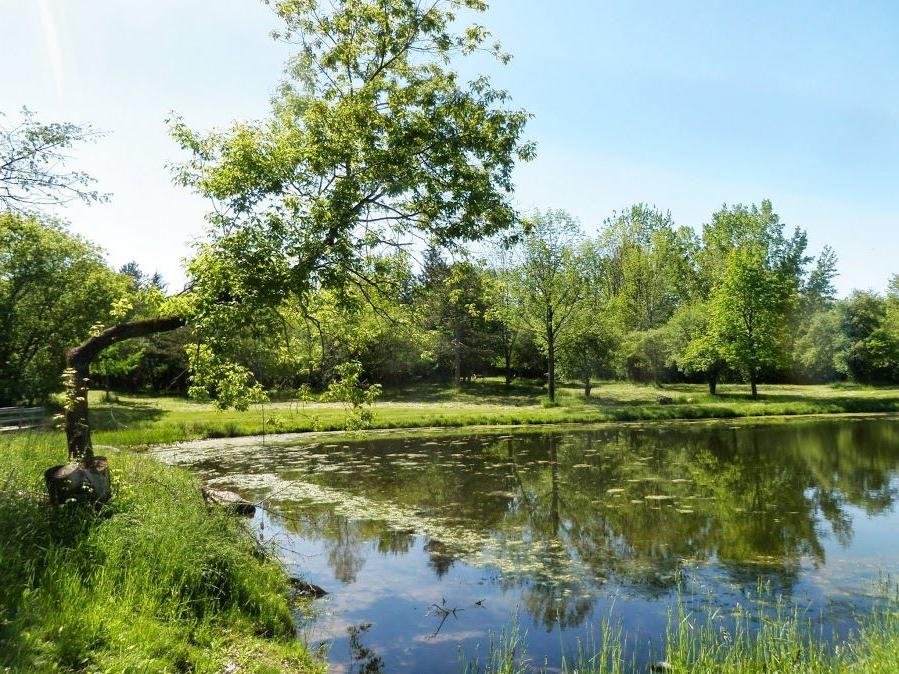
x=686, y=105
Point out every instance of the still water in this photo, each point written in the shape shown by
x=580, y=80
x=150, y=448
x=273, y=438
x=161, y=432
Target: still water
x=428, y=544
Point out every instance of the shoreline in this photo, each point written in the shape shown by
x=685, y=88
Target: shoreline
x=499, y=428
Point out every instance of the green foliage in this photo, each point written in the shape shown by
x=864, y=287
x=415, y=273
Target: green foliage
x=32, y=155
x=348, y=389
x=229, y=384
x=754, y=227
x=54, y=290
x=751, y=305
x=822, y=351
x=153, y=582
x=452, y=300
x=692, y=348
x=588, y=354
x=648, y=266
x=372, y=139
x=870, y=329
x=549, y=281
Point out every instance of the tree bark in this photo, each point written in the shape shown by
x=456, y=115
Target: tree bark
x=588, y=386
x=457, y=355
x=78, y=362
x=508, y=355
x=753, y=383
x=713, y=384
x=551, y=364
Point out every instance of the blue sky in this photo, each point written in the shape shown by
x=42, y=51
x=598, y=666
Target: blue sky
x=686, y=105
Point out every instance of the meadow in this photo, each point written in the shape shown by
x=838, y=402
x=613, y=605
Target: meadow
x=131, y=420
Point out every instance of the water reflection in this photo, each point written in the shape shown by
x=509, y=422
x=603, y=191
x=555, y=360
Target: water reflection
x=566, y=524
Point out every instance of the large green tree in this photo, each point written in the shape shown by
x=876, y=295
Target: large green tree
x=751, y=307
x=453, y=302
x=549, y=282
x=374, y=140
x=691, y=345
x=54, y=287
x=649, y=266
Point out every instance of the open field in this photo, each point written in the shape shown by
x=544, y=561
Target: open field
x=137, y=420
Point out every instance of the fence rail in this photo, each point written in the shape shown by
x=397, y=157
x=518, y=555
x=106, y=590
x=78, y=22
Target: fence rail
x=21, y=417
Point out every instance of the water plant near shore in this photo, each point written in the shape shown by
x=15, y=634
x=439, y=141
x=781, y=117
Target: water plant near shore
x=781, y=640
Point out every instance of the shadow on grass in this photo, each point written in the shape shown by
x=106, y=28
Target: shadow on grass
x=111, y=416
x=488, y=392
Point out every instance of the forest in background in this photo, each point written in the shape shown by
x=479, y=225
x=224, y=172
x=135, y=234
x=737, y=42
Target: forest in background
x=643, y=299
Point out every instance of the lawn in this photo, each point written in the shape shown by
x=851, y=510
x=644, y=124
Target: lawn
x=138, y=420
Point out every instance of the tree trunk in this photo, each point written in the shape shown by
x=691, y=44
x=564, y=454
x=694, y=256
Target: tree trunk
x=508, y=355
x=87, y=475
x=587, y=387
x=753, y=383
x=78, y=361
x=713, y=384
x=551, y=364
x=457, y=355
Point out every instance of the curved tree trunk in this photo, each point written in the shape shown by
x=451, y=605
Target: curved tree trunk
x=86, y=476
x=78, y=362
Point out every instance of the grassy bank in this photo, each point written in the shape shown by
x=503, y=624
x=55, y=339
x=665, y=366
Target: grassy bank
x=155, y=582
x=135, y=420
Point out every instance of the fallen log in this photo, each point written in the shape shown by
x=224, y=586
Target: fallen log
x=229, y=500
x=306, y=589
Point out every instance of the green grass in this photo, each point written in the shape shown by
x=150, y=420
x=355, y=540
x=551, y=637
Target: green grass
x=156, y=582
x=153, y=582
x=136, y=420
x=782, y=642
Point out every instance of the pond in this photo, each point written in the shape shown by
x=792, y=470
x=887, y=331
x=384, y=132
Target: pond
x=428, y=544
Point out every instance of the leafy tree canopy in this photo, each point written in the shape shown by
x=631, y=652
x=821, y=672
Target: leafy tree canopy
x=32, y=158
x=54, y=289
x=373, y=141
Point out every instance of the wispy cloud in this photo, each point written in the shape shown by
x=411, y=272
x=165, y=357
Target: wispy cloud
x=54, y=48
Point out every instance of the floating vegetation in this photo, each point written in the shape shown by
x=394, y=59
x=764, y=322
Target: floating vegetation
x=537, y=513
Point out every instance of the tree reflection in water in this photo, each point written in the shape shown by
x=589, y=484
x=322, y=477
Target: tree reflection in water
x=564, y=513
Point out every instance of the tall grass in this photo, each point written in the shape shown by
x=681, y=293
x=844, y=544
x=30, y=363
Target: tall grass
x=778, y=642
x=153, y=582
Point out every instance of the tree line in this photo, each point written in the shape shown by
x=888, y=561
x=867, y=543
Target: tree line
x=369, y=218
x=644, y=299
